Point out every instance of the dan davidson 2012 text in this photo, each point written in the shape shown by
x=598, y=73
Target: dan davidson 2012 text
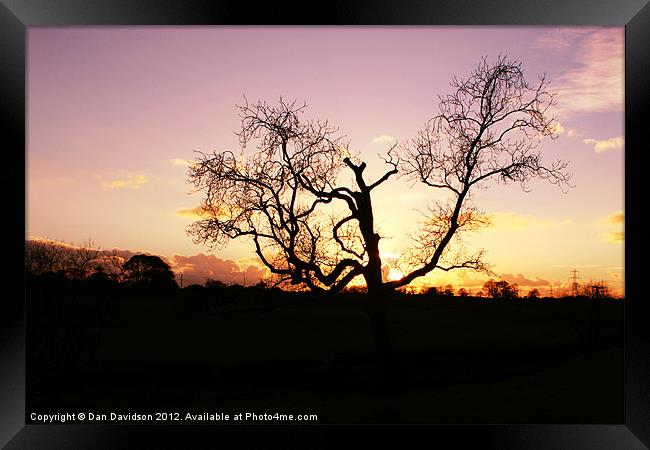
x=168, y=417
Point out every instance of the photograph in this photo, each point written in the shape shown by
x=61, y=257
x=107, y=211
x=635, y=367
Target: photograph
x=325, y=225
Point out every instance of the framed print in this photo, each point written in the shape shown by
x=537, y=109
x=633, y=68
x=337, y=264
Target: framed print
x=237, y=219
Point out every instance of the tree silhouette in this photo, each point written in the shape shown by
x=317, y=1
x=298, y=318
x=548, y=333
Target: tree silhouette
x=42, y=257
x=72, y=261
x=79, y=260
x=487, y=129
x=283, y=194
x=149, y=271
x=501, y=289
x=533, y=293
x=214, y=284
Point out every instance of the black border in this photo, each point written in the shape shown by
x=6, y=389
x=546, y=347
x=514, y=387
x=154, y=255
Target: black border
x=16, y=15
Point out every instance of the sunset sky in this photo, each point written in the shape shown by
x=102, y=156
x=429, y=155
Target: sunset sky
x=114, y=114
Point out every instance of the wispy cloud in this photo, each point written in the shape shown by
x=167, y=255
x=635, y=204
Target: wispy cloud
x=523, y=281
x=130, y=182
x=250, y=261
x=595, y=82
x=614, y=219
x=617, y=218
x=470, y=281
x=514, y=221
x=614, y=236
x=199, y=213
x=560, y=39
x=384, y=139
x=181, y=162
x=615, y=143
x=191, y=213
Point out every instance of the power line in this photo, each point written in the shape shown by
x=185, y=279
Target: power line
x=574, y=282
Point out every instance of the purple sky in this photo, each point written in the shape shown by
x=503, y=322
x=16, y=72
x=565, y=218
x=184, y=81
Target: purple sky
x=113, y=111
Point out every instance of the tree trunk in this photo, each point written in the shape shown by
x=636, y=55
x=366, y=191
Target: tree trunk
x=379, y=325
x=377, y=293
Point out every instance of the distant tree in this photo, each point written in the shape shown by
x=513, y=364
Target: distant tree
x=100, y=279
x=214, y=284
x=149, y=271
x=99, y=275
x=433, y=291
x=277, y=195
x=80, y=260
x=533, y=293
x=448, y=291
x=194, y=287
x=598, y=289
x=501, y=289
x=462, y=292
x=42, y=257
x=261, y=285
x=68, y=260
x=110, y=264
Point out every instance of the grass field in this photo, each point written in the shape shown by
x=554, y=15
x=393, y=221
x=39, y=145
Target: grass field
x=456, y=360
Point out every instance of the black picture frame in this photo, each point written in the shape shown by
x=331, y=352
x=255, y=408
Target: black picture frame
x=17, y=15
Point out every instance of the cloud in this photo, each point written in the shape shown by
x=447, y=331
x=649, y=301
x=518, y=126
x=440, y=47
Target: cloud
x=514, y=221
x=570, y=133
x=384, y=139
x=614, y=236
x=197, y=269
x=469, y=282
x=615, y=143
x=250, y=261
x=130, y=182
x=181, y=162
x=523, y=281
x=557, y=128
x=595, y=82
x=560, y=39
x=614, y=219
x=198, y=213
x=191, y=213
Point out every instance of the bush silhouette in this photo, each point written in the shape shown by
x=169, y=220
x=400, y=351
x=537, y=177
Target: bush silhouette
x=150, y=272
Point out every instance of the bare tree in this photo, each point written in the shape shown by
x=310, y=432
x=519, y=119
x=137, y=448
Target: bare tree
x=276, y=197
x=487, y=129
x=79, y=259
x=43, y=256
x=283, y=194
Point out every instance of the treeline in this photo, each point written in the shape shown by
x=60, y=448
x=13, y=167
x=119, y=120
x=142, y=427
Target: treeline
x=504, y=290
x=52, y=261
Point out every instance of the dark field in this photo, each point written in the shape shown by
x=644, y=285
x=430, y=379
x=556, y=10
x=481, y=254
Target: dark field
x=457, y=360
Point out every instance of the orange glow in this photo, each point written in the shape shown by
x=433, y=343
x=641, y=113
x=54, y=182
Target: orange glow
x=394, y=274
x=121, y=147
